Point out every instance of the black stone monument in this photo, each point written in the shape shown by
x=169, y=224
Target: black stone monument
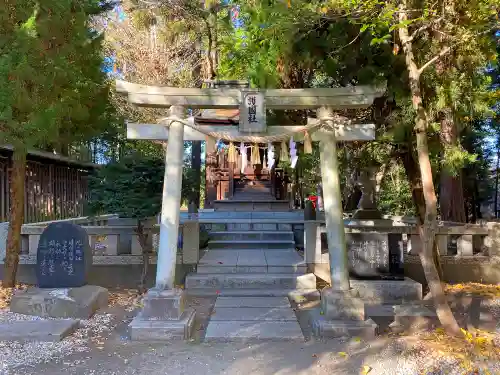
x=64, y=256
x=375, y=256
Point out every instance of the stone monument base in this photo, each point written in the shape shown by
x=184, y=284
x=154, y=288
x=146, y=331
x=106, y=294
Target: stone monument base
x=387, y=291
x=163, y=317
x=80, y=303
x=341, y=314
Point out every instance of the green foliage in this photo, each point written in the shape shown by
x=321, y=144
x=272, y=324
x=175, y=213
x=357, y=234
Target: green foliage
x=456, y=158
x=52, y=89
x=395, y=194
x=131, y=187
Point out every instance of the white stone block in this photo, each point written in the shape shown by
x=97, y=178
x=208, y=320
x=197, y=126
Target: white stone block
x=414, y=244
x=312, y=243
x=33, y=243
x=4, y=230
x=465, y=245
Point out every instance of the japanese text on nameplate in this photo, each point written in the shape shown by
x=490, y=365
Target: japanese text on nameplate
x=252, y=108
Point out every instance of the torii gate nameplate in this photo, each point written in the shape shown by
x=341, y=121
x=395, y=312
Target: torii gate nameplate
x=252, y=112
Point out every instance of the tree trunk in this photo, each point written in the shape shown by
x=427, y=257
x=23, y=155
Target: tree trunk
x=428, y=229
x=496, y=178
x=16, y=217
x=451, y=197
x=413, y=175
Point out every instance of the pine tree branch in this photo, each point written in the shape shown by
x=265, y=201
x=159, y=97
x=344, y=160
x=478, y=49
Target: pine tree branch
x=443, y=52
x=423, y=28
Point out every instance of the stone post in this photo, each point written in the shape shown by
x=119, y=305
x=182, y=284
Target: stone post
x=164, y=315
x=492, y=241
x=332, y=201
x=171, y=202
x=4, y=230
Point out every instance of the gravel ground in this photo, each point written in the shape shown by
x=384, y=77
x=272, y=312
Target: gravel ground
x=382, y=357
x=101, y=347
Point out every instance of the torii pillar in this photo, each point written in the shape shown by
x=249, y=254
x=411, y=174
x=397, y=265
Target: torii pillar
x=164, y=315
x=342, y=312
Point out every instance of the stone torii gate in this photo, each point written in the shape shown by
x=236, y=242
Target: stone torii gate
x=177, y=128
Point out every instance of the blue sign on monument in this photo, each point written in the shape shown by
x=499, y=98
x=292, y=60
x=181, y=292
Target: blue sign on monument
x=64, y=256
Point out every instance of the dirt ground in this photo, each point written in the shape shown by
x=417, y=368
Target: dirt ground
x=102, y=347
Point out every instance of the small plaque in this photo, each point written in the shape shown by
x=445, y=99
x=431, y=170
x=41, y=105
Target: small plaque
x=64, y=256
x=252, y=112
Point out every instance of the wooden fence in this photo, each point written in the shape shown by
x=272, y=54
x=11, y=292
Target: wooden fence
x=55, y=187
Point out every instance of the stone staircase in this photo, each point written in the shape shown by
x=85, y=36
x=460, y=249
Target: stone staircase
x=253, y=269
x=253, y=190
x=252, y=196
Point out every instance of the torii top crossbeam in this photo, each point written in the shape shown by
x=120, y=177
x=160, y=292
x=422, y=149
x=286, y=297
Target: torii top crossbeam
x=334, y=98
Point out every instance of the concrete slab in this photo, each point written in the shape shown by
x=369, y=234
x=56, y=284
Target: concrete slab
x=251, y=281
x=283, y=258
x=217, y=269
x=340, y=328
x=253, y=313
x=252, y=244
x=219, y=257
x=251, y=269
x=252, y=258
x=387, y=291
x=252, y=302
x=79, y=303
x=229, y=331
x=162, y=330
x=298, y=269
x=326, y=328
x=37, y=330
x=265, y=292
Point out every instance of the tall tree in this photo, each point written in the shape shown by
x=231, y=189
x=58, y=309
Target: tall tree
x=355, y=40
x=474, y=26
x=170, y=43
x=51, y=88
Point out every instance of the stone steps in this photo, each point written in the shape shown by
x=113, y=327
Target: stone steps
x=251, y=235
x=241, y=269
x=251, y=197
x=221, y=281
x=252, y=244
x=253, y=331
x=238, y=205
x=258, y=227
x=251, y=318
x=258, y=293
x=251, y=261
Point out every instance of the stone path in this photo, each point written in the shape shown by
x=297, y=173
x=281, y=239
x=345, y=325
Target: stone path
x=249, y=318
x=37, y=330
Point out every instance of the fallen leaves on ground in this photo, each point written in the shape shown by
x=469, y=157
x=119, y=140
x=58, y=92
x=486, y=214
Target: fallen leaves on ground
x=473, y=347
x=485, y=290
x=299, y=299
x=6, y=294
x=128, y=298
x=365, y=370
x=343, y=354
